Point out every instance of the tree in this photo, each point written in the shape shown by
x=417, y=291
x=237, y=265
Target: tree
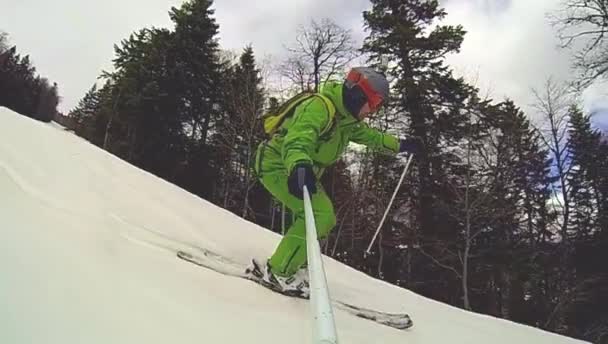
x=322, y=50
x=431, y=104
x=47, y=98
x=586, y=21
x=502, y=181
x=197, y=65
x=86, y=113
x=144, y=125
x=589, y=174
x=3, y=42
x=586, y=307
x=162, y=99
x=23, y=91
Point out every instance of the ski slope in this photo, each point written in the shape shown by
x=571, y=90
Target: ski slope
x=88, y=255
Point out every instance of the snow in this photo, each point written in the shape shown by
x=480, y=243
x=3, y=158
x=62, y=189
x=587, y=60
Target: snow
x=56, y=125
x=87, y=255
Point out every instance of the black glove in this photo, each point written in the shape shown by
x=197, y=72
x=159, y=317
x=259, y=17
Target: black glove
x=411, y=145
x=302, y=175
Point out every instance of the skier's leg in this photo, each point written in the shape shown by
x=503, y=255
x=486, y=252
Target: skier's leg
x=290, y=254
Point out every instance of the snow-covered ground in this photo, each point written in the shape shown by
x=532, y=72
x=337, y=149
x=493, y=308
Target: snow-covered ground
x=88, y=255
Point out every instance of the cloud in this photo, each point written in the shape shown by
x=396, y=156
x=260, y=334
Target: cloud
x=270, y=25
x=595, y=100
x=599, y=119
x=71, y=41
x=484, y=6
x=509, y=48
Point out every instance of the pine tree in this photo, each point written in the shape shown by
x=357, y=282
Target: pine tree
x=143, y=125
x=46, y=98
x=432, y=103
x=23, y=91
x=17, y=77
x=587, y=303
x=583, y=146
x=162, y=99
x=196, y=65
x=85, y=113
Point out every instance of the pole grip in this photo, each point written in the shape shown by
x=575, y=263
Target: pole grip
x=301, y=177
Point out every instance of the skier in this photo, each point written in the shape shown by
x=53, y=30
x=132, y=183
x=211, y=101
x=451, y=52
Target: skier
x=311, y=139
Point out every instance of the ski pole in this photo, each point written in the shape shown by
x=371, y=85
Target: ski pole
x=407, y=165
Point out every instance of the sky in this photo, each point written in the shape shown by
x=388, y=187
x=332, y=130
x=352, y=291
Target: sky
x=509, y=49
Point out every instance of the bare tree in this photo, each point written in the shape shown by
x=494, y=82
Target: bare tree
x=3, y=47
x=321, y=51
x=586, y=21
x=245, y=98
x=3, y=41
x=473, y=207
x=486, y=169
x=553, y=104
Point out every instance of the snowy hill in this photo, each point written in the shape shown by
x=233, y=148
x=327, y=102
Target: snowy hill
x=88, y=255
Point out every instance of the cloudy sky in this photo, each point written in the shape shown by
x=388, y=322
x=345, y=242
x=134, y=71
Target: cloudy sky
x=510, y=46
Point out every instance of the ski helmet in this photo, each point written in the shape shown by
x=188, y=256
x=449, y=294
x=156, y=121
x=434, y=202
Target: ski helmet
x=367, y=83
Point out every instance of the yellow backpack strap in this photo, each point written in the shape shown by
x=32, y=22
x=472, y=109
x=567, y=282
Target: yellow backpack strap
x=274, y=120
x=331, y=108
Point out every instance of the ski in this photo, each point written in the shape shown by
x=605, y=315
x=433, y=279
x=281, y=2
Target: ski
x=234, y=273
x=400, y=321
x=222, y=265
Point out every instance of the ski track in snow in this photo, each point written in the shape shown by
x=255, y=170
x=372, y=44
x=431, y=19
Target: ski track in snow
x=156, y=240
x=147, y=237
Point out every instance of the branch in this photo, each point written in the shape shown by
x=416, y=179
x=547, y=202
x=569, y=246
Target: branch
x=440, y=263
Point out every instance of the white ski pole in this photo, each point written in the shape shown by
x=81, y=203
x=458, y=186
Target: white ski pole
x=407, y=166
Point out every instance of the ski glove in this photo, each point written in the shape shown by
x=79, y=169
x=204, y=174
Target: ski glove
x=411, y=145
x=301, y=175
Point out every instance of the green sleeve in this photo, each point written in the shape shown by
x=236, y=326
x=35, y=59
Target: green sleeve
x=309, y=119
x=375, y=139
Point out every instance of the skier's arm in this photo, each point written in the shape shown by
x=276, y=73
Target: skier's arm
x=309, y=119
x=375, y=139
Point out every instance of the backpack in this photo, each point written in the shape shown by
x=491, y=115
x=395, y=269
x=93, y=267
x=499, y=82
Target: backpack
x=274, y=119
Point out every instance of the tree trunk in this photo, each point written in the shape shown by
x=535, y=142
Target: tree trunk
x=465, y=275
x=205, y=129
x=248, y=183
x=562, y=177
x=467, y=224
x=106, y=138
x=316, y=73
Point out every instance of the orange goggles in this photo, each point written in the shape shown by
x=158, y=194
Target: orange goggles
x=373, y=98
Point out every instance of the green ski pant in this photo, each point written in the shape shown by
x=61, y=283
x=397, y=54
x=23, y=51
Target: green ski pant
x=290, y=254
